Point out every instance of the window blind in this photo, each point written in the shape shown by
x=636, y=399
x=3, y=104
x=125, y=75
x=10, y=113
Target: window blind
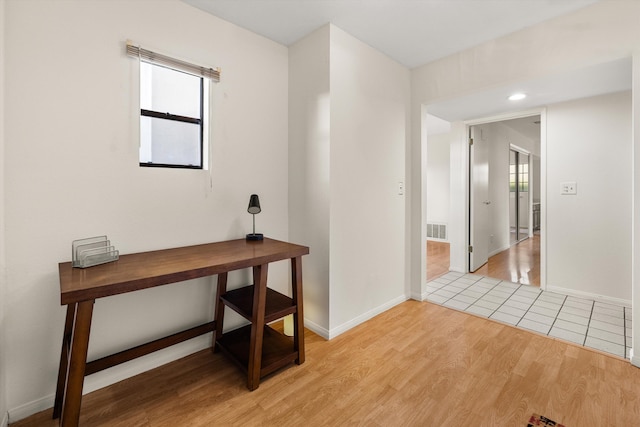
x=176, y=64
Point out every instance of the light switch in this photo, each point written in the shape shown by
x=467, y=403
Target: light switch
x=569, y=188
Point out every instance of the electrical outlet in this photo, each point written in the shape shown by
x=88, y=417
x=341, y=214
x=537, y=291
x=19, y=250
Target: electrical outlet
x=569, y=188
x=400, y=188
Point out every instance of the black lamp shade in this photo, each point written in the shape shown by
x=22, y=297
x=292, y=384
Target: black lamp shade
x=253, y=209
x=254, y=205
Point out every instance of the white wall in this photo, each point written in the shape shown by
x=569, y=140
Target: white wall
x=347, y=130
x=3, y=282
x=438, y=178
x=589, y=235
x=309, y=148
x=71, y=152
x=369, y=119
x=512, y=136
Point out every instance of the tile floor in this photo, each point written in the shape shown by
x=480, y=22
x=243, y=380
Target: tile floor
x=605, y=327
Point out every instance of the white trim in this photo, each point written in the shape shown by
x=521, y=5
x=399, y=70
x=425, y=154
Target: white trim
x=30, y=408
x=145, y=363
x=420, y=297
x=590, y=295
x=459, y=206
x=334, y=332
x=635, y=205
x=323, y=332
x=433, y=239
x=5, y=420
x=497, y=251
x=419, y=287
x=503, y=117
x=119, y=373
x=543, y=199
x=635, y=360
x=514, y=147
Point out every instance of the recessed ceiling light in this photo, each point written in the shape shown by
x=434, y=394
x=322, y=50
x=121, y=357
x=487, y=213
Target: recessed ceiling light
x=517, y=97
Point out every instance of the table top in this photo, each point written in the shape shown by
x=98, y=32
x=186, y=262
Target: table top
x=143, y=270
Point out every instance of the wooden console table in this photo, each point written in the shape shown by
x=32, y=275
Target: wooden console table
x=256, y=348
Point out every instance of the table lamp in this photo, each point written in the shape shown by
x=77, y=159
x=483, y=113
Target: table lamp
x=253, y=209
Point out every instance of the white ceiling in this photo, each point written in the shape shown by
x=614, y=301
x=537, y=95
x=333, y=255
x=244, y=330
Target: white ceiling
x=416, y=32
x=596, y=80
x=413, y=32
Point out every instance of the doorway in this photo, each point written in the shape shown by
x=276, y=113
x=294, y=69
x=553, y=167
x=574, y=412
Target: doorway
x=502, y=182
x=438, y=197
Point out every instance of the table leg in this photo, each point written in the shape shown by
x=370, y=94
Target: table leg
x=222, y=288
x=64, y=360
x=77, y=363
x=257, y=325
x=298, y=316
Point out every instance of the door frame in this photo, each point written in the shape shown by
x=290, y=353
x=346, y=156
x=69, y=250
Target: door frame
x=542, y=112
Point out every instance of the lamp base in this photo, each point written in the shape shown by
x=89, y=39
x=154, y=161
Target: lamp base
x=255, y=236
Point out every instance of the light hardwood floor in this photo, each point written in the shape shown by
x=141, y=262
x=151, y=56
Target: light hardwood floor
x=437, y=259
x=417, y=364
x=518, y=264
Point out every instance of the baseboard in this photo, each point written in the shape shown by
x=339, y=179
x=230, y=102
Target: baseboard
x=366, y=316
x=162, y=357
x=458, y=268
x=30, y=408
x=323, y=332
x=589, y=295
x=418, y=297
x=433, y=239
x=635, y=360
x=497, y=251
x=116, y=374
x=145, y=363
x=5, y=420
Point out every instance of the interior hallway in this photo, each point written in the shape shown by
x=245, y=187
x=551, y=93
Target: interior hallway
x=518, y=264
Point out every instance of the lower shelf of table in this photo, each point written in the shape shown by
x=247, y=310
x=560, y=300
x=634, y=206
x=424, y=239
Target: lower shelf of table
x=277, y=349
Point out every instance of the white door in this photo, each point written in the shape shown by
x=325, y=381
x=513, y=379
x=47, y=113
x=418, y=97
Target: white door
x=478, y=199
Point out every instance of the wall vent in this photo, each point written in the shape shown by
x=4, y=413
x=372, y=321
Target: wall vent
x=437, y=231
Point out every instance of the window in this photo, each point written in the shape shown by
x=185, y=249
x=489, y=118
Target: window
x=518, y=172
x=523, y=179
x=171, y=117
x=174, y=110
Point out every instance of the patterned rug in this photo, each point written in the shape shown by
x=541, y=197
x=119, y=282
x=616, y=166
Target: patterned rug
x=538, y=420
